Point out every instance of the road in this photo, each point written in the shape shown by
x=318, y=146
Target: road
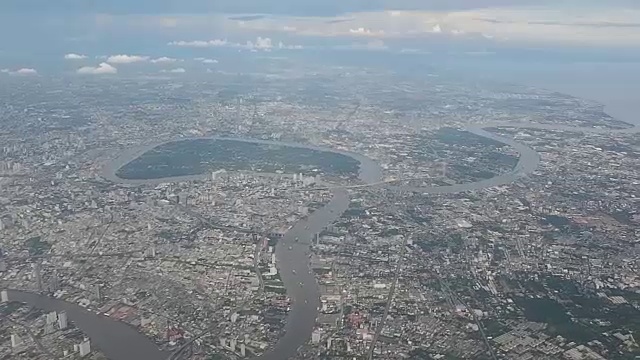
x=392, y=293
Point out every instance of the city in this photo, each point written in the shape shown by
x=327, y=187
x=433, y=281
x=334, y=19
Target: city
x=375, y=216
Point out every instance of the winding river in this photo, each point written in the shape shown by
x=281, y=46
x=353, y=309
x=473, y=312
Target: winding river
x=292, y=256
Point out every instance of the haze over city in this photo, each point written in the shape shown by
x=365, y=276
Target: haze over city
x=335, y=179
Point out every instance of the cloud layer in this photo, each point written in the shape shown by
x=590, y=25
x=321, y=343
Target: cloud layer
x=175, y=71
x=554, y=25
x=73, y=56
x=163, y=60
x=206, y=61
x=200, y=43
x=20, y=72
x=260, y=43
x=126, y=59
x=103, y=68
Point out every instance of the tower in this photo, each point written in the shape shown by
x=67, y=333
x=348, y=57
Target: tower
x=98, y=292
x=37, y=274
x=15, y=341
x=54, y=283
x=52, y=317
x=62, y=320
x=315, y=337
x=85, y=347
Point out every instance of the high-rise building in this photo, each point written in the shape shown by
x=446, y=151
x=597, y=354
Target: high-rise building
x=4, y=296
x=54, y=283
x=52, y=317
x=243, y=350
x=232, y=345
x=37, y=275
x=150, y=252
x=98, y=292
x=15, y=341
x=85, y=347
x=62, y=320
x=315, y=337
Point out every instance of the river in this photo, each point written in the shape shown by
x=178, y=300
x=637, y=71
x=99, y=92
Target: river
x=122, y=342
x=116, y=339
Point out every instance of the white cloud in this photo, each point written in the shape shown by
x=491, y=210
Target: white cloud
x=281, y=45
x=200, y=43
x=260, y=44
x=366, y=32
x=163, y=60
x=126, y=59
x=206, y=61
x=584, y=25
x=21, y=72
x=175, y=71
x=101, y=69
x=73, y=56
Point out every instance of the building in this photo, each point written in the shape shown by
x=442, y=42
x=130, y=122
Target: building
x=85, y=347
x=315, y=337
x=52, y=317
x=15, y=341
x=62, y=320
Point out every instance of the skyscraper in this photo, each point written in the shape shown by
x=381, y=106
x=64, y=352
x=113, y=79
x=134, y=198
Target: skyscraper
x=37, y=275
x=62, y=320
x=85, y=347
x=15, y=341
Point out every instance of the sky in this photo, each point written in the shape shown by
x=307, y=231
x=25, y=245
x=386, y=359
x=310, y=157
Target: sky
x=567, y=22
x=36, y=30
x=552, y=43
